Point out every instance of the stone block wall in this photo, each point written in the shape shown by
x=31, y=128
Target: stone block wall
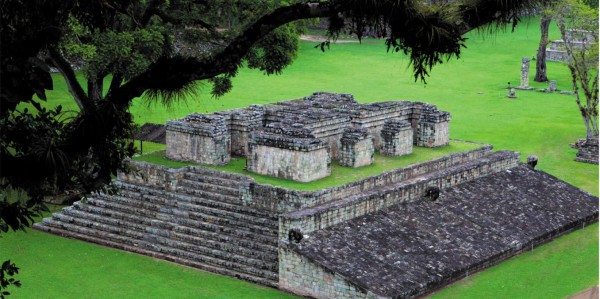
x=587, y=151
x=361, y=203
x=152, y=175
x=204, y=139
x=299, y=275
x=288, y=152
x=357, y=148
x=373, y=116
x=433, y=127
x=240, y=123
x=287, y=200
x=397, y=138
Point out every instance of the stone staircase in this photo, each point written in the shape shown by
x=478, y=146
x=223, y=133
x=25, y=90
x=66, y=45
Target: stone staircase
x=202, y=223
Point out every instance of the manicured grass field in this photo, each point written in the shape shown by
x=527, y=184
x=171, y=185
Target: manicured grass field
x=472, y=89
x=339, y=175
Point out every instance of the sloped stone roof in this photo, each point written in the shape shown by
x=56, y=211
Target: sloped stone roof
x=412, y=248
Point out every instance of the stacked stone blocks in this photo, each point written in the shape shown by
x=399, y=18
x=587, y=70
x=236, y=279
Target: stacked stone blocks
x=289, y=152
x=212, y=139
x=357, y=148
x=200, y=138
x=433, y=127
x=397, y=138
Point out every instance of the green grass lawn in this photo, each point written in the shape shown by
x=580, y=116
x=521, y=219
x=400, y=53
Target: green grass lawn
x=471, y=88
x=339, y=175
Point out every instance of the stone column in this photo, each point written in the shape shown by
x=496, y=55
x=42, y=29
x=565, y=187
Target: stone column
x=396, y=138
x=525, y=73
x=552, y=85
x=357, y=148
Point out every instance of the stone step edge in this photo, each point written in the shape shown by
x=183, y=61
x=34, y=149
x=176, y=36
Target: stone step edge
x=115, y=238
x=165, y=242
x=202, y=217
x=216, y=188
x=123, y=215
x=178, y=236
x=344, y=202
x=126, y=198
x=157, y=255
x=217, y=181
x=230, y=206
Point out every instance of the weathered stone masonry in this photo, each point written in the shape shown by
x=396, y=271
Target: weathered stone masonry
x=324, y=116
x=288, y=152
x=201, y=138
x=384, y=236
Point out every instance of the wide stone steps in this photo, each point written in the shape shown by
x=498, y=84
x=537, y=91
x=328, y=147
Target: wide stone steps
x=247, y=247
x=108, y=208
x=199, y=253
x=89, y=235
x=186, y=187
x=126, y=205
x=168, y=196
x=161, y=203
x=210, y=176
x=210, y=187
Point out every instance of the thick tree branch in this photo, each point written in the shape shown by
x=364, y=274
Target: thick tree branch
x=172, y=72
x=64, y=67
x=226, y=61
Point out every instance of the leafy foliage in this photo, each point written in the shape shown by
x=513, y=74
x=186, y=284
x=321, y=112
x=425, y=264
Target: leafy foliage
x=578, y=25
x=7, y=271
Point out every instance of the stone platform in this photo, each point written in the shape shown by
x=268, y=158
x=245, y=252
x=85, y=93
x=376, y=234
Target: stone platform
x=410, y=249
x=380, y=236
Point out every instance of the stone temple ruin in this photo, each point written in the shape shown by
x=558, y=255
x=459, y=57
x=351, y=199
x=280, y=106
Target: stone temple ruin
x=298, y=139
x=398, y=234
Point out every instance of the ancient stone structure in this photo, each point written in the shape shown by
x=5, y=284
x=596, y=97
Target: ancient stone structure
x=398, y=234
x=552, y=86
x=288, y=151
x=432, y=127
x=587, y=150
x=284, y=128
x=357, y=148
x=397, y=138
x=201, y=138
x=525, y=74
x=556, y=48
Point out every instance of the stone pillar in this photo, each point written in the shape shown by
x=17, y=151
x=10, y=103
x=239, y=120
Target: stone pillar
x=199, y=138
x=433, y=128
x=525, y=73
x=357, y=148
x=552, y=85
x=397, y=138
x=288, y=152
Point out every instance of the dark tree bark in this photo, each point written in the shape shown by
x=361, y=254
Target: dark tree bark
x=540, y=65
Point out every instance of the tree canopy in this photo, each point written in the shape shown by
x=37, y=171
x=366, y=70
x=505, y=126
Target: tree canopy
x=578, y=26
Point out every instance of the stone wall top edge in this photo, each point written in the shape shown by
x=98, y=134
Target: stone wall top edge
x=315, y=193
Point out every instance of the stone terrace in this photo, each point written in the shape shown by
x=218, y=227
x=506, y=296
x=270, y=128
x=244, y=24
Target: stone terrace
x=411, y=249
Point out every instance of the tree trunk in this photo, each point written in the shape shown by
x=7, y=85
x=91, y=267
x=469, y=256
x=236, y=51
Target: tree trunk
x=540, y=65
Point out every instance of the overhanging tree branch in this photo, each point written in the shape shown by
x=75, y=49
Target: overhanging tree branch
x=64, y=67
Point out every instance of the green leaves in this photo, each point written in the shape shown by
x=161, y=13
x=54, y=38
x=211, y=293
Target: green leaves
x=275, y=51
x=8, y=270
x=121, y=51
